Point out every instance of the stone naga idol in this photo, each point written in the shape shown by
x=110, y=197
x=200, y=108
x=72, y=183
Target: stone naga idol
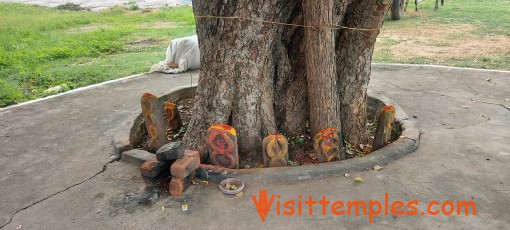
x=173, y=116
x=223, y=149
x=383, y=130
x=152, y=112
x=328, y=145
x=275, y=149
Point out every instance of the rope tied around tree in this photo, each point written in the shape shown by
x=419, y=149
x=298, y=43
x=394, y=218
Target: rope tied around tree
x=331, y=27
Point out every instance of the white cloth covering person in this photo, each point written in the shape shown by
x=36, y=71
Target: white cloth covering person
x=182, y=54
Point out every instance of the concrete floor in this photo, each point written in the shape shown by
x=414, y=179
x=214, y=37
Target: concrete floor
x=55, y=171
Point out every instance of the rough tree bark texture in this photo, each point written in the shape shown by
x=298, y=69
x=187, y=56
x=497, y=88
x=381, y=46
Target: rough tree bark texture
x=253, y=74
x=320, y=65
x=354, y=51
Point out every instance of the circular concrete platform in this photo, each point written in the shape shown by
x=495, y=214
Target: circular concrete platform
x=130, y=133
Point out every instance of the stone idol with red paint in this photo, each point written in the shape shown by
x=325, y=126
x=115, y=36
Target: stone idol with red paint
x=223, y=146
x=328, y=145
x=152, y=112
x=173, y=116
x=383, y=129
x=275, y=149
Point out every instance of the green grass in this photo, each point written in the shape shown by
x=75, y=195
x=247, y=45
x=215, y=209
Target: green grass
x=44, y=47
x=487, y=17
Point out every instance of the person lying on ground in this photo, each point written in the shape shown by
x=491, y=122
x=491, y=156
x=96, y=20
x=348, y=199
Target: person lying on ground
x=182, y=54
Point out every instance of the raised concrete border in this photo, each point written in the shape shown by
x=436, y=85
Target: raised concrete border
x=130, y=132
x=72, y=91
x=439, y=66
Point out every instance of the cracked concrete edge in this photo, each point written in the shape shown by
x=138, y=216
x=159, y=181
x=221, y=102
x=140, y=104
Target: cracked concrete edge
x=130, y=130
x=491, y=103
x=103, y=169
x=436, y=66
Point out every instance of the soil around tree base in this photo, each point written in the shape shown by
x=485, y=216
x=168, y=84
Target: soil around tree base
x=404, y=142
x=300, y=148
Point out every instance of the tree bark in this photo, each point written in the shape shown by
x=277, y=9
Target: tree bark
x=246, y=72
x=253, y=74
x=354, y=51
x=320, y=65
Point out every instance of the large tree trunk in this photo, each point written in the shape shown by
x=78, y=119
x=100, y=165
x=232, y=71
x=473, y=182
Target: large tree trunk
x=253, y=73
x=247, y=78
x=354, y=51
x=320, y=65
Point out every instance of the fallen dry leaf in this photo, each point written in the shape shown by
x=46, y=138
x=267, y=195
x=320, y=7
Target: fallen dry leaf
x=184, y=207
x=359, y=179
x=377, y=167
x=163, y=208
x=239, y=194
x=347, y=175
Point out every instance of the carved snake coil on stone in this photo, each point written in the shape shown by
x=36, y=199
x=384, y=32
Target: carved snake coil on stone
x=221, y=154
x=326, y=144
x=276, y=149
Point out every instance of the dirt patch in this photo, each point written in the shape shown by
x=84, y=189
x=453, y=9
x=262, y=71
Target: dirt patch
x=441, y=42
x=411, y=13
x=71, y=7
x=88, y=28
x=127, y=11
x=158, y=25
x=143, y=42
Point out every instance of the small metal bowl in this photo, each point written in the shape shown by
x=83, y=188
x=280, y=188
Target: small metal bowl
x=238, y=183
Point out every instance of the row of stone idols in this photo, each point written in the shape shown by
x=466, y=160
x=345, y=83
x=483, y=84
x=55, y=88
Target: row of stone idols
x=223, y=147
x=328, y=143
x=222, y=141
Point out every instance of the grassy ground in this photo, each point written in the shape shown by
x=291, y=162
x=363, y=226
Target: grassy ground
x=465, y=33
x=41, y=47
